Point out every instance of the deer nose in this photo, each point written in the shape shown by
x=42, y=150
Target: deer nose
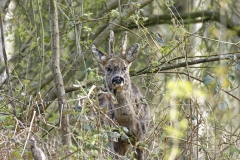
x=117, y=80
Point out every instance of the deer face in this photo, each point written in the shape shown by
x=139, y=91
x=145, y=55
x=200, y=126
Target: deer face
x=117, y=73
x=116, y=67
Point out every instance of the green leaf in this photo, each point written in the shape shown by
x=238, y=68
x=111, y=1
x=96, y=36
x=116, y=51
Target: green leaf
x=124, y=137
x=125, y=130
x=223, y=105
x=238, y=67
x=216, y=89
x=114, y=136
x=207, y=80
x=231, y=78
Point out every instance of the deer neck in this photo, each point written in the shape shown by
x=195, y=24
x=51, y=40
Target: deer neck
x=124, y=111
x=124, y=96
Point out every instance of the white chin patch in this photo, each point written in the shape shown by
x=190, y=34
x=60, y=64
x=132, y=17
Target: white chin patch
x=119, y=85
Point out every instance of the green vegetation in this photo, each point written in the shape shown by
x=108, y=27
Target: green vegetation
x=188, y=69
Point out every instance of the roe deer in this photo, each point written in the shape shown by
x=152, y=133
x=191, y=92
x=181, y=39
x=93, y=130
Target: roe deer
x=131, y=110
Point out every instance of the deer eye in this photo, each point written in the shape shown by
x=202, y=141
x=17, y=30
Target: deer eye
x=125, y=68
x=109, y=69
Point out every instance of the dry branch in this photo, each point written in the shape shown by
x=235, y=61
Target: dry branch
x=183, y=64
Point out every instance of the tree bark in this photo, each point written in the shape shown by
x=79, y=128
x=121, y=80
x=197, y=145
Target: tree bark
x=6, y=65
x=58, y=79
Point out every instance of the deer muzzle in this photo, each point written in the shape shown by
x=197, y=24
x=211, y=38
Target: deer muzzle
x=118, y=81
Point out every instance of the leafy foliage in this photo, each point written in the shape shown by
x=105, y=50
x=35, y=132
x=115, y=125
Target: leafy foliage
x=188, y=69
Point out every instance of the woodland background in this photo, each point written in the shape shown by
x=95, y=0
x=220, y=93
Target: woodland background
x=188, y=69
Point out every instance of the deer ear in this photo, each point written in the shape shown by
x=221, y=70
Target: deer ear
x=132, y=53
x=99, y=56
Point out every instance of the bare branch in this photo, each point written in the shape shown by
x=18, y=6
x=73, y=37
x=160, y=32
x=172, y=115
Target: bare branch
x=183, y=64
x=29, y=132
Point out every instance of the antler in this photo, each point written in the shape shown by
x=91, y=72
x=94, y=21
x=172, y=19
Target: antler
x=123, y=46
x=111, y=43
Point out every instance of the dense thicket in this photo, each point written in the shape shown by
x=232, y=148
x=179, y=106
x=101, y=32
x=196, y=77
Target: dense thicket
x=188, y=70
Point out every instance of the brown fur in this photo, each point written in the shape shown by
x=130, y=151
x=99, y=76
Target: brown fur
x=131, y=109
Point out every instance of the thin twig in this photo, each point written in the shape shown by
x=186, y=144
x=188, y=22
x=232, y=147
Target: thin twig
x=43, y=50
x=29, y=131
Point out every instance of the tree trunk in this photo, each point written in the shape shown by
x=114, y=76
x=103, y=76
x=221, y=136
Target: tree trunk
x=58, y=80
